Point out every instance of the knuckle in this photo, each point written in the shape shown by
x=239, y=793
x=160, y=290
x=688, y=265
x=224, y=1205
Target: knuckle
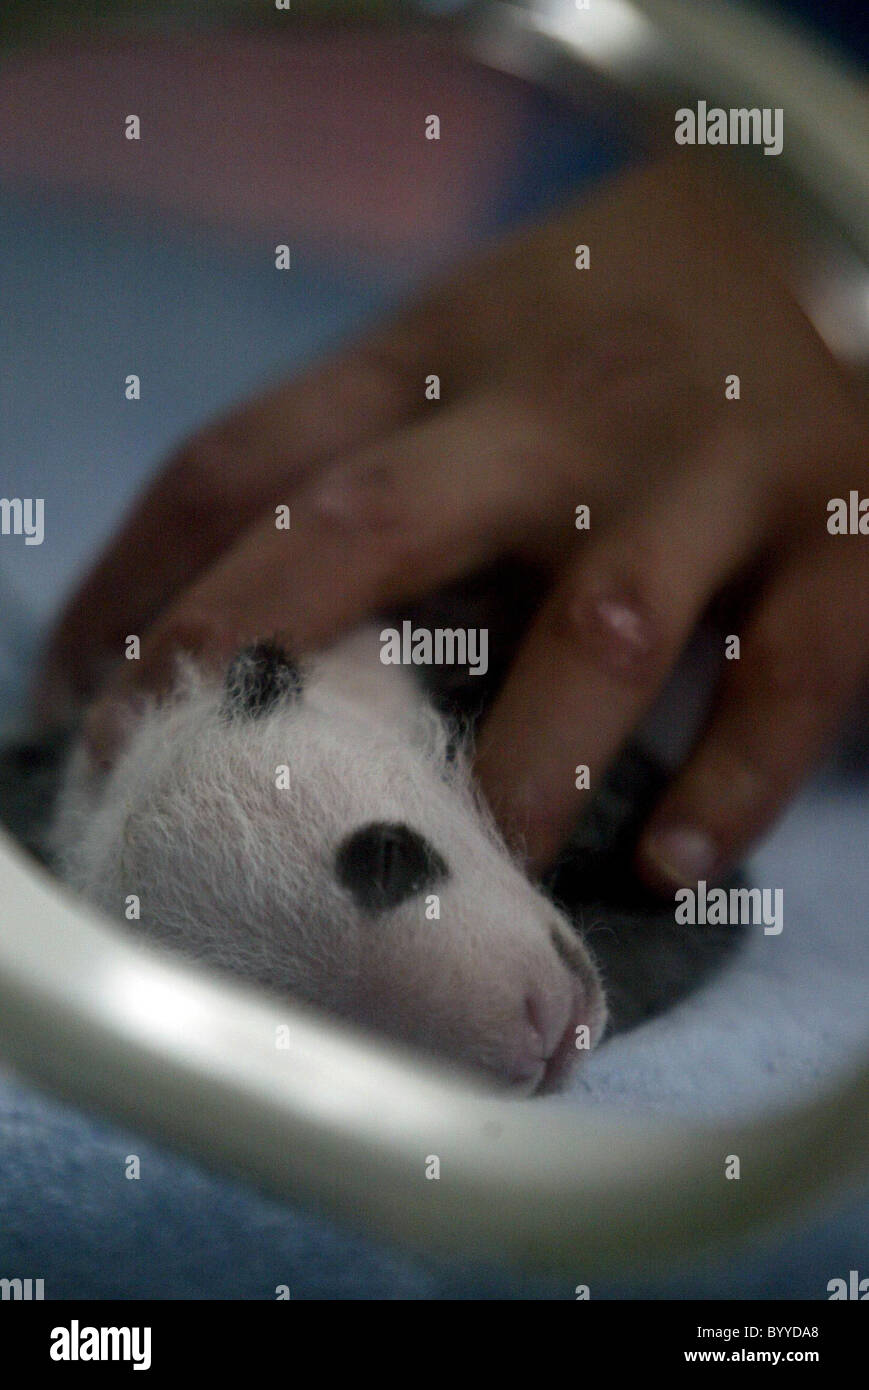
x=359, y=499
x=616, y=624
x=633, y=363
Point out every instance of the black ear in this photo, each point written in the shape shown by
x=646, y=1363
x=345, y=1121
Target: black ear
x=258, y=679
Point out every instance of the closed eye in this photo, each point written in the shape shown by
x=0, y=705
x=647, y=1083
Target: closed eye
x=384, y=863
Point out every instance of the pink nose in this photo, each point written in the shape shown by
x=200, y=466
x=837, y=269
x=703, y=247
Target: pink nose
x=546, y=1046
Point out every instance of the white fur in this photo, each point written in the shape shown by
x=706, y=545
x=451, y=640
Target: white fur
x=233, y=871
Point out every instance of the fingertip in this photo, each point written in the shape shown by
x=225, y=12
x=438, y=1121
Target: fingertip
x=532, y=822
x=673, y=856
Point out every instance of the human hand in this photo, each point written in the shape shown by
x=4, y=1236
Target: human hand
x=560, y=387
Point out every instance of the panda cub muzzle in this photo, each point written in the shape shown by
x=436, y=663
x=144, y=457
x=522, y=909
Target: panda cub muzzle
x=318, y=832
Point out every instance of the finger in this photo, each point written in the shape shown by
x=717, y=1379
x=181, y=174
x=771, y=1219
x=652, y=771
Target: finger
x=603, y=645
x=218, y=482
x=800, y=666
x=441, y=498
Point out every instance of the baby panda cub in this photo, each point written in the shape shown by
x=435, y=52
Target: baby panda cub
x=315, y=830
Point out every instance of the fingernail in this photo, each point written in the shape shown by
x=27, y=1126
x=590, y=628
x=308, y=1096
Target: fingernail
x=681, y=854
x=356, y=498
x=336, y=500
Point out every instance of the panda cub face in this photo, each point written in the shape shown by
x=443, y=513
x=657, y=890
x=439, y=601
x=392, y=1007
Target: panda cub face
x=309, y=832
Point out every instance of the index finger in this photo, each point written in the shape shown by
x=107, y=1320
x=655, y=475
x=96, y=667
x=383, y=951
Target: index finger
x=437, y=500
x=209, y=493
x=597, y=655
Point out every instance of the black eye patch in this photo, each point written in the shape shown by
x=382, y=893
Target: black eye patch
x=258, y=679
x=383, y=864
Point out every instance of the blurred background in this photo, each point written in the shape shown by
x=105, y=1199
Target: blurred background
x=262, y=127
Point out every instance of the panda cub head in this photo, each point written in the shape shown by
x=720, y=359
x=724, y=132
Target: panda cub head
x=313, y=832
